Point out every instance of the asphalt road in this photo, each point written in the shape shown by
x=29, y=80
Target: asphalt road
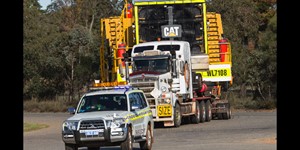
x=245, y=131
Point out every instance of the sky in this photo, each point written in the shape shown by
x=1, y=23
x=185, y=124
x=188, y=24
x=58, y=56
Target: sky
x=44, y=3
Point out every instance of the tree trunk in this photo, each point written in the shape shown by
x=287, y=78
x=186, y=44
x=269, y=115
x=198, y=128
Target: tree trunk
x=243, y=90
x=260, y=92
x=72, y=80
x=91, y=25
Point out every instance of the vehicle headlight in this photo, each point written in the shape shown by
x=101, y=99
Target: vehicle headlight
x=163, y=89
x=70, y=125
x=117, y=122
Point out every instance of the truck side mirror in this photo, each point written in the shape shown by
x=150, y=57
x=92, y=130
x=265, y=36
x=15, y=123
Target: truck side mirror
x=181, y=67
x=174, y=72
x=125, y=56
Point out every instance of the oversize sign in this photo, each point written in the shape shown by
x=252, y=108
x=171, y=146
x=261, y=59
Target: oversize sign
x=170, y=31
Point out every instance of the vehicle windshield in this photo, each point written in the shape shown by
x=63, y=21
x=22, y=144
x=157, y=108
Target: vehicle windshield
x=106, y=102
x=156, y=65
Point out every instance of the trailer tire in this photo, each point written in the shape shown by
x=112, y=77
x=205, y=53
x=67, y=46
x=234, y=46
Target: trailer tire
x=196, y=117
x=220, y=116
x=202, y=112
x=226, y=115
x=229, y=108
x=208, y=113
x=177, y=115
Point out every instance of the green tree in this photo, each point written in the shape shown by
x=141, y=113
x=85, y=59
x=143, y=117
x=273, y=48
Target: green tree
x=265, y=62
x=245, y=24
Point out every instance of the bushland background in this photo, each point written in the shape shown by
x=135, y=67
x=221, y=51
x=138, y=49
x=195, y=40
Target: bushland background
x=61, y=51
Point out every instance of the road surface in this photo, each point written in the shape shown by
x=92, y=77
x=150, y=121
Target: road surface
x=245, y=131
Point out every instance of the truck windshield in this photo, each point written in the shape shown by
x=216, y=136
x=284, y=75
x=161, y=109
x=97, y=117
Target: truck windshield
x=156, y=65
x=106, y=102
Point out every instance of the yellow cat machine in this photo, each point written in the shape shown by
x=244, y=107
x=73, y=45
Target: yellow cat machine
x=173, y=50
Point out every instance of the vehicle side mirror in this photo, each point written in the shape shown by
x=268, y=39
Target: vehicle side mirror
x=71, y=110
x=181, y=67
x=135, y=107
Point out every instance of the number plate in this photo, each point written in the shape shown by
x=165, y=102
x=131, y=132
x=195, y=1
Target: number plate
x=164, y=110
x=91, y=132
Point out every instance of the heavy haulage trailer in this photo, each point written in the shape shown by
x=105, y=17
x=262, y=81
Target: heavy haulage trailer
x=170, y=49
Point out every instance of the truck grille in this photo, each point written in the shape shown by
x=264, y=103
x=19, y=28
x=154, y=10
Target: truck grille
x=91, y=124
x=146, y=87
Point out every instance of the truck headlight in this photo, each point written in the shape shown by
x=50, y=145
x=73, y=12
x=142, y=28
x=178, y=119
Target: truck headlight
x=70, y=125
x=164, y=89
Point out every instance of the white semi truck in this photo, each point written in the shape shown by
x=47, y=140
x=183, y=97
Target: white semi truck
x=167, y=73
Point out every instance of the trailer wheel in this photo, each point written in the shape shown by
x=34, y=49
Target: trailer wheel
x=220, y=116
x=202, y=111
x=196, y=117
x=227, y=114
x=208, y=116
x=177, y=115
x=229, y=108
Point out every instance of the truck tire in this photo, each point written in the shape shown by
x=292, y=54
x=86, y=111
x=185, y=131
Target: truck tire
x=202, y=111
x=177, y=115
x=147, y=145
x=128, y=143
x=196, y=117
x=71, y=147
x=208, y=114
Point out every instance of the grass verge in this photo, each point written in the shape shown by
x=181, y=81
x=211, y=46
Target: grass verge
x=33, y=126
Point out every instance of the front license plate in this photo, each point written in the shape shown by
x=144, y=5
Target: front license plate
x=92, y=132
x=164, y=110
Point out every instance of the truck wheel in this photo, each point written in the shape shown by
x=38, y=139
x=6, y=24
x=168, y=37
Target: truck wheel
x=177, y=115
x=147, y=145
x=128, y=143
x=202, y=111
x=208, y=114
x=71, y=147
x=196, y=117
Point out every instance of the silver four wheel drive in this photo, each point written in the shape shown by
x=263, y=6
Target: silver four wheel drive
x=119, y=116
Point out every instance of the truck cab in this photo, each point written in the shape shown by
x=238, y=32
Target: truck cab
x=162, y=70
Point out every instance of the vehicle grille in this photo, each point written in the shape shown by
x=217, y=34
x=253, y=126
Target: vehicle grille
x=91, y=124
x=146, y=87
